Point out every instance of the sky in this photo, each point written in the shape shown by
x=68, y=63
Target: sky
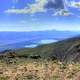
x=39, y=15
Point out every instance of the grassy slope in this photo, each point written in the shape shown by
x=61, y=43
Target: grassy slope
x=62, y=50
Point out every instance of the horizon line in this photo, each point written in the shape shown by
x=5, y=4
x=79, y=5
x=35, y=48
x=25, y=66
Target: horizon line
x=44, y=30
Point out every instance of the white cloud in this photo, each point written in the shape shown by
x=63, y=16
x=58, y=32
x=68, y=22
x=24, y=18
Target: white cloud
x=38, y=6
x=62, y=13
x=74, y=4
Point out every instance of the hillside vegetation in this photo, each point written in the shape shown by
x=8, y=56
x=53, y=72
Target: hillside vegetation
x=55, y=61
x=65, y=51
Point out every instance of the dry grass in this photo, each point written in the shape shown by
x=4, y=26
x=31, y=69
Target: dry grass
x=39, y=70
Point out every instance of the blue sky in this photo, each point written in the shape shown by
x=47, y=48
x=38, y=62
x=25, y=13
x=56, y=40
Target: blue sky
x=38, y=15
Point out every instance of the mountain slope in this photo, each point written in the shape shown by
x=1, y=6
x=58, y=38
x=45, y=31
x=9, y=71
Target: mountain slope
x=67, y=51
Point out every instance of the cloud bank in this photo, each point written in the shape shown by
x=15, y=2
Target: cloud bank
x=41, y=6
x=38, y=6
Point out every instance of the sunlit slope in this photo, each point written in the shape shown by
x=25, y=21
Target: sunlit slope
x=67, y=50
